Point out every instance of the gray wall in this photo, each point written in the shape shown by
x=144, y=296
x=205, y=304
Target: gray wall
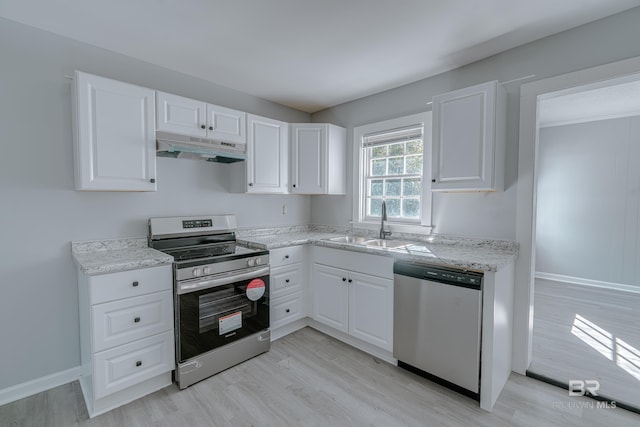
x=40, y=212
x=588, y=202
x=490, y=215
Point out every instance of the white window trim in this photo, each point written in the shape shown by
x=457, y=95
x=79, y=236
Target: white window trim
x=358, y=173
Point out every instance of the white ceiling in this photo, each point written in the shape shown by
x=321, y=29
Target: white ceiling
x=309, y=54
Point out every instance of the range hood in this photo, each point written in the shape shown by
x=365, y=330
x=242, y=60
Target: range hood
x=180, y=146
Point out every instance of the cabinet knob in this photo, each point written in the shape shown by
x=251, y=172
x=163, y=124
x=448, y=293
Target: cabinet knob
x=350, y=280
x=286, y=280
x=251, y=184
x=210, y=127
x=203, y=126
x=136, y=320
x=139, y=363
x=286, y=257
x=294, y=186
x=344, y=279
x=135, y=284
x=287, y=310
x=152, y=180
x=433, y=180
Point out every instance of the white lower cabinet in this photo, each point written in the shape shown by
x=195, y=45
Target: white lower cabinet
x=287, y=286
x=352, y=302
x=126, y=335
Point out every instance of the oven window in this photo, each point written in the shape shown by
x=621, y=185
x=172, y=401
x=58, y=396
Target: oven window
x=214, y=317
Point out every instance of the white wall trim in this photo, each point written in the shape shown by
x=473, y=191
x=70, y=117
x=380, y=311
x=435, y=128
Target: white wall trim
x=29, y=388
x=587, y=282
x=526, y=191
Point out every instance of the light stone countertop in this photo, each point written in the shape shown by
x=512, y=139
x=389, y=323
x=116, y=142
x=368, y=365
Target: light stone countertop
x=115, y=255
x=471, y=253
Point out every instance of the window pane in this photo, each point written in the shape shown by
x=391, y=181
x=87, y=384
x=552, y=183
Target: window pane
x=414, y=147
x=375, y=188
x=410, y=208
x=375, y=207
x=411, y=187
x=396, y=166
x=393, y=207
x=380, y=151
x=414, y=164
x=393, y=187
x=378, y=167
x=396, y=149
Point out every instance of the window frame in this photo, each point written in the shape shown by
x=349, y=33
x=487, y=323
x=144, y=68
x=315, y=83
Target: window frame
x=360, y=169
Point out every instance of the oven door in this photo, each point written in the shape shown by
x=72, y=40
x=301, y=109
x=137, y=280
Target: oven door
x=216, y=310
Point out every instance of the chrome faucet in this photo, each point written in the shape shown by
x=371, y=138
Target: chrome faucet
x=383, y=233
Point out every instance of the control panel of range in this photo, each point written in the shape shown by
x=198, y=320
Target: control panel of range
x=199, y=271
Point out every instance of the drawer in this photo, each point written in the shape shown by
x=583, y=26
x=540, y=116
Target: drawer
x=286, y=309
x=119, y=322
x=286, y=256
x=126, y=284
x=285, y=280
x=122, y=367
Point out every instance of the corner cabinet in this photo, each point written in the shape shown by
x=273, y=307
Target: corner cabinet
x=318, y=159
x=113, y=135
x=186, y=116
x=469, y=139
x=126, y=335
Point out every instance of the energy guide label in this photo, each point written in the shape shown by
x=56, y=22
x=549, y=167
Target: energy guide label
x=230, y=322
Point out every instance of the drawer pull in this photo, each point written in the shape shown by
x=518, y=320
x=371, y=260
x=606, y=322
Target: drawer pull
x=350, y=280
x=137, y=320
x=344, y=279
x=135, y=284
x=139, y=363
x=287, y=280
x=287, y=310
x=286, y=257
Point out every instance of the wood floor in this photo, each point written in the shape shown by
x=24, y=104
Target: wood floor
x=582, y=332
x=310, y=379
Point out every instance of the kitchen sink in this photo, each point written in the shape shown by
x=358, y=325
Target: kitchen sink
x=350, y=239
x=383, y=243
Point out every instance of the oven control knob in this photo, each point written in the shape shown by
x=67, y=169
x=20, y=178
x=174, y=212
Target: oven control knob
x=195, y=272
x=206, y=270
x=258, y=261
x=251, y=262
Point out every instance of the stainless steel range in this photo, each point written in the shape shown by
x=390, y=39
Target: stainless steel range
x=221, y=294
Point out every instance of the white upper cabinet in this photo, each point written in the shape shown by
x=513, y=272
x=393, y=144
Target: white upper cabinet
x=267, y=155
x=318, y=159
x=469, y=139
x=114, y=135
x=187, y=116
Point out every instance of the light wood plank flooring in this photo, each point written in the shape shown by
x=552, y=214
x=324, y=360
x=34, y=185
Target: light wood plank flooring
x=582, y=333
x=310, y=379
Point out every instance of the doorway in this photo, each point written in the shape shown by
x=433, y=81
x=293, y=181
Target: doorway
x=585, y=261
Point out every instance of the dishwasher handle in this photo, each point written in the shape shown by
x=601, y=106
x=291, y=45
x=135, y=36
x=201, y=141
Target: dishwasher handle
x=440, y=274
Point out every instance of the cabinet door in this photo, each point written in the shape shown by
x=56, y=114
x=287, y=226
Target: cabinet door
x=181, y=115
x=371, y=309
x=267, y=155
x=331, y=297
x=114, y=135
x=225, y=124
x=464, y=130
x=308, y=155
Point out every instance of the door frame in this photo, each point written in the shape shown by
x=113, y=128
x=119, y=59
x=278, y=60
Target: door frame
x=530, y=94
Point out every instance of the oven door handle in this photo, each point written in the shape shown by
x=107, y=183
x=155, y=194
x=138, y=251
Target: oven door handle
x=191, y=286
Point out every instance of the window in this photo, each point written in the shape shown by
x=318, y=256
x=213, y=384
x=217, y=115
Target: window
x=392, y=161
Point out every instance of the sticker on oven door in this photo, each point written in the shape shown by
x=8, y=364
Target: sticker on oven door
x=255, y=289
x=230, y=322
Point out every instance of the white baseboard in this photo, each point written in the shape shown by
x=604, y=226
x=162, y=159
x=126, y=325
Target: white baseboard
x=19, y=391
x=587, y=282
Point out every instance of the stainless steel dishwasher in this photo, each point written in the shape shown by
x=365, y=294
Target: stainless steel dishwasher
x=437, y=322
